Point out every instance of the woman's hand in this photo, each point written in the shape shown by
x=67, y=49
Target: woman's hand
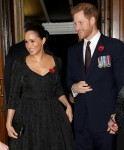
x=11, y=131
x=3, y=146
x=112, y=127
x=69, y=112
x=65, y=102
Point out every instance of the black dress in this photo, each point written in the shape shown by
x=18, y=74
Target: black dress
x=120, y=119
x=35, y=101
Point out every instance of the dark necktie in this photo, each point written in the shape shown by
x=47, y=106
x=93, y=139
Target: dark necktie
x=87, y=56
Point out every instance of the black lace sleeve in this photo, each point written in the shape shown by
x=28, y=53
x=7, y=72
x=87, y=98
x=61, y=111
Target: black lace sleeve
x=15, y=87
x=59, y=87
x=120, y=108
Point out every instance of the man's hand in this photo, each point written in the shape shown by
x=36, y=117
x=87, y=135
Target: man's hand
x=81, y=87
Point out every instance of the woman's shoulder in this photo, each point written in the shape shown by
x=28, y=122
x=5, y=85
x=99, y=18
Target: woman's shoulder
x=58, y=61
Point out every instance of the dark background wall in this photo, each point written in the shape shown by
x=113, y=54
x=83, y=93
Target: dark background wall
x=59, y=45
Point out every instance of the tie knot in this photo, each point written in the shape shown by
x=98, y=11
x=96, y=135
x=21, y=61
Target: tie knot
x=88, y=43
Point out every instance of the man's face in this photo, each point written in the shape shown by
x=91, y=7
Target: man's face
x=83, y=26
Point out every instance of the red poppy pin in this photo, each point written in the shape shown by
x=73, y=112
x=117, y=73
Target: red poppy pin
x=52, y=70
x=101, y=48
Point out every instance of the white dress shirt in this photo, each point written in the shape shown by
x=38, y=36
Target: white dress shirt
x=92, y=45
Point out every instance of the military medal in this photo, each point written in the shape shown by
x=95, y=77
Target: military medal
x=108, y=59
x=100, y=64
x=104, y=61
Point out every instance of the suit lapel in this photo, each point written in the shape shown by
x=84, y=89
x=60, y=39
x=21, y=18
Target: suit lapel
x=80, y=57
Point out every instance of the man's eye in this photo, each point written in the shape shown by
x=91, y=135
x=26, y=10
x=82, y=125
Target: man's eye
x=81, y=22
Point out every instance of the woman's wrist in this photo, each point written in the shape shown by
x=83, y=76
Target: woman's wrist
x=8, y=123
x=68, y=105
x=113, y=118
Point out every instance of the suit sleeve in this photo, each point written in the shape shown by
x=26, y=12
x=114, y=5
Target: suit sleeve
x=118, y=65
x=15, y=87
x=7, y=71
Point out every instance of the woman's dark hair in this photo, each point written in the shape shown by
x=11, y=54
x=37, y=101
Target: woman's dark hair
x=38, y=29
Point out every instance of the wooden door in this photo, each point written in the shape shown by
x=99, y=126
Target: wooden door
x=2, y=100
x=117, y=19
x=5, y=42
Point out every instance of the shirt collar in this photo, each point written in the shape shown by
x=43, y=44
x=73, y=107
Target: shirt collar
x=95, y=39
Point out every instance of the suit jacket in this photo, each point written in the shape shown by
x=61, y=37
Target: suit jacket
x=16, y=51
x=95, y=107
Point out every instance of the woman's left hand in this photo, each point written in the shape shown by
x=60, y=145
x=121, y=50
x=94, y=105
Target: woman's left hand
x=69, y=112
x=112, y=127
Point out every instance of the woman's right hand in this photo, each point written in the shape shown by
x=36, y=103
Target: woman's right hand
x=3, y=146
x=11, y=131
x=69, y=112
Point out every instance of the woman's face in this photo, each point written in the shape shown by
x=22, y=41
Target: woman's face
x=33, y=42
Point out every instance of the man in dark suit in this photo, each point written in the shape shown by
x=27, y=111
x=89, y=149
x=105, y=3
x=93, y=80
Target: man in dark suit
x=95, y=74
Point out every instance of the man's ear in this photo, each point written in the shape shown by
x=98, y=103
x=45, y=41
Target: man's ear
x=92, y=20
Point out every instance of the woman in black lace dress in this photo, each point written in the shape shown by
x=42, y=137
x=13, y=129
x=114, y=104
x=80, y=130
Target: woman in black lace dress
x=35, y=100
x=116, y=123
